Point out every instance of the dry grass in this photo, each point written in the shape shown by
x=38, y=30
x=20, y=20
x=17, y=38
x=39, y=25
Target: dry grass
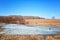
x=28, y=37
x=22, y=37
x=43, y=22
x=57, y=37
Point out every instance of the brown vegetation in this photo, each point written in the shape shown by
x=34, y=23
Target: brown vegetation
x=30, y=20
x=16, y=19
x=22, y=37
x=28, y=37
x=43, y=22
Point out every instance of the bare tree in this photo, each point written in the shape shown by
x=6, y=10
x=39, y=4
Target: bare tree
x=53, y=17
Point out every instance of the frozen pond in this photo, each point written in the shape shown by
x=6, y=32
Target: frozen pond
x=28, y=30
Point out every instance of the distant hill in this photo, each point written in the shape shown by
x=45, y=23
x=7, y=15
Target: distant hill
x=27, y=17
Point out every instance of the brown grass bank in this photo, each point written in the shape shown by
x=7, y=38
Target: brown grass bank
x=28, y=37
x=43, y=22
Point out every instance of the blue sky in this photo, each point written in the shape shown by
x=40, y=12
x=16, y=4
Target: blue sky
x=42, y=8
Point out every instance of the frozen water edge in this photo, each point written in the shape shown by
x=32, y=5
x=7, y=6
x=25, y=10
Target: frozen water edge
x=29, y=30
